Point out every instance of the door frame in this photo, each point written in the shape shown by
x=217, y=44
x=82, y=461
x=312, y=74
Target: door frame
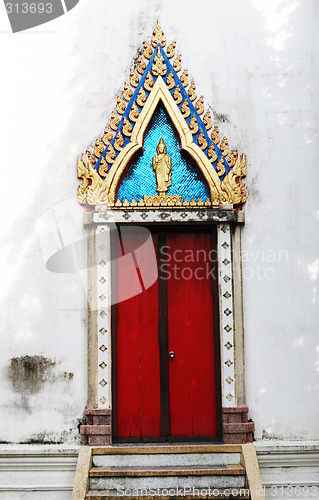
x=229, y=224
x=162, y=230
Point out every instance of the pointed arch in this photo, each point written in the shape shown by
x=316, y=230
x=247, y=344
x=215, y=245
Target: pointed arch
x=160, y=93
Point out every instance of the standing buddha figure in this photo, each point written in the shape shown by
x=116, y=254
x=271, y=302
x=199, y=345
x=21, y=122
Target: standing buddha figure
x=162, y=166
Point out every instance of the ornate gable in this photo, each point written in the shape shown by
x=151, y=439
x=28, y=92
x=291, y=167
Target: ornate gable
x=159, y=103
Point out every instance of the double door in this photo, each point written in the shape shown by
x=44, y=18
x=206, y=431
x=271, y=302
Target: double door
x=165, y=335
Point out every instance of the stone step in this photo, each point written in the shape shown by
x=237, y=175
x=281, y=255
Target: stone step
x=168, y=460
x=169, y=456
x=121, y=480
x=218, y=494
x=225, y=470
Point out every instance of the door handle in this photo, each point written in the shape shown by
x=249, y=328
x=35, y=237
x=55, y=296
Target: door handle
x=172, y=354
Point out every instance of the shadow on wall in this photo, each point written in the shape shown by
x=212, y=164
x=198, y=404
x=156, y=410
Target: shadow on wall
x=44, y=314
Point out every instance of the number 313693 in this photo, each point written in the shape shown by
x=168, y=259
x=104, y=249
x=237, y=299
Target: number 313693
x=26, y=8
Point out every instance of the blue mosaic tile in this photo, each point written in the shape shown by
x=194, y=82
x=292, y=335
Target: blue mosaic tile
x=139, y=179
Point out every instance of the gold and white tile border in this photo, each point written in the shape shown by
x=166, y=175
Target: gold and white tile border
x=103, y=253
x=226, y=315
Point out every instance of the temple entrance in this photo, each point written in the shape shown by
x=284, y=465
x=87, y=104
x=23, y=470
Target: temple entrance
x=165, y=334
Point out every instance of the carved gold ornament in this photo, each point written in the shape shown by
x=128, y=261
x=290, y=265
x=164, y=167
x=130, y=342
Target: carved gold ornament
x=120, y=106
x=127, y=94
x=202, y=141
x=159, y=68
x=107, y=137
x=101, y=171
x=184, y=78
x=220, y=167
x=110, y=154
x=158, y=36
x=148, y=51
x=134, y=79
x=133, y=116
x=211, y=153
x=224, y=147
x=177, y=64
x=215, y=135
x=199, y=106
x=232, y=158
x=193, y=125
x=141, y=66
x=103, y=167
x=170, y=82
x=207, y=121
x=149, y=82
x=185, y=109
x=192, y=92
x=171, y=50
x=177, y=95
x=127, y=128
x=119, y=141
x=99, y=148
x=141, y=97
x=114, y=122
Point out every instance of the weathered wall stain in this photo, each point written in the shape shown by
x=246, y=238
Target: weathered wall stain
x=28, y=374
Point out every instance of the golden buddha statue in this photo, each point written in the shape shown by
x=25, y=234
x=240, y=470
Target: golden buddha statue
x=162, y=166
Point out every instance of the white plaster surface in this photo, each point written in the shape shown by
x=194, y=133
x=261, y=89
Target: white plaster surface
x=256, y=63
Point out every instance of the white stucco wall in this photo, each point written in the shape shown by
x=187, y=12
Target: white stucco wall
x=256, y=64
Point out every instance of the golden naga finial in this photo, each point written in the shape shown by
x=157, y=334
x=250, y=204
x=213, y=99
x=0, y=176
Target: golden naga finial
x=159, y=68
x=162, y=166
x=158, y=36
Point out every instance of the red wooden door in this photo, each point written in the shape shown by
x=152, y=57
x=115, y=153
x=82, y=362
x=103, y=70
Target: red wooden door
x=164, y=365
x=192, y=387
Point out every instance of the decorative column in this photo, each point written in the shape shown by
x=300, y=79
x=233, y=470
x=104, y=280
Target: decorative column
x=97, y=430
x=236, y=428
